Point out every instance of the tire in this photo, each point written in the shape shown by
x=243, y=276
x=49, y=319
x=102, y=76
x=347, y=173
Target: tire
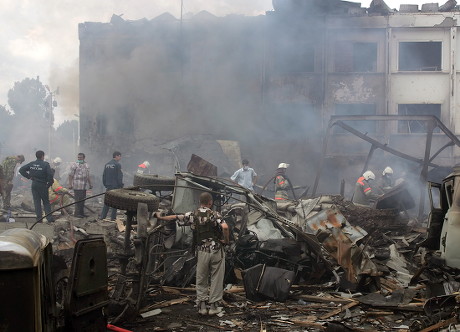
x=154, y=182
x=127, y=199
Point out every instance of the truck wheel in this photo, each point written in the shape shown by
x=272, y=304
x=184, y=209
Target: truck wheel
x=127, y=199
x=154, y=182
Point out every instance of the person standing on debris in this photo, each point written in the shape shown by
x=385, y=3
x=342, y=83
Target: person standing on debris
x=78, y=179
x=57, y=168
x=210, y=233
x=245, y=176
x=143, y=168
x=112, y=178
x=281, y=182
x=6, y=178
x=39, y=171
x=363, y=194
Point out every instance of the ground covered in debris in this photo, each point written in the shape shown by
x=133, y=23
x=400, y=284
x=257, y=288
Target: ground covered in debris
x=353, y=268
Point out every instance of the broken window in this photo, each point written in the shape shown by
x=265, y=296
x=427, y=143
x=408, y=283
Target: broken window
x=355, y=57
x=295, y=57
x=356, y=109
x=101, y=124
x=420, y=56
x=414, y=126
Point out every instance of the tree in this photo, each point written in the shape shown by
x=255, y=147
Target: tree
x=32, y=116
x=31, y=99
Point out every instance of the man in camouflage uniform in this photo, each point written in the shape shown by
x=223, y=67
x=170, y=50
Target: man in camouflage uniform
x=6, y=178
x=210, y=233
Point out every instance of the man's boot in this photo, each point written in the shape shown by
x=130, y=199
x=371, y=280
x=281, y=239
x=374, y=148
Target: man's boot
x=214, y=309
x=202, y=308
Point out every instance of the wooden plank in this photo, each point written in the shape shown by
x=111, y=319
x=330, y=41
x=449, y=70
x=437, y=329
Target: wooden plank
x=166, y=304
x=338, y=310
x=443, y=323
x=312, y=298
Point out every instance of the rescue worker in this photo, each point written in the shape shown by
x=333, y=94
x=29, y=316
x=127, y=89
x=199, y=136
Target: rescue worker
x=57, y=168
x=39, y=171
x=245, y=176
x=78, y=179
x=281, y=182
x=112, y=178
x=8, y=167
x=363, y=194
x=59, y=196
x=386, y=183
x=210, y=233
x=143, y=168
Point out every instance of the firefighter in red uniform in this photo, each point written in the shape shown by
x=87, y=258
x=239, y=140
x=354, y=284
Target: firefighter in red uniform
x=281, y=183
x=363, y=195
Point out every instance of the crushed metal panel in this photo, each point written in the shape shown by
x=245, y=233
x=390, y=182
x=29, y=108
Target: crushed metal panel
x=397, y=198
x=339, y=238
x=331, y=219
x=199, y=166
x=87, y=290
x=186, y=196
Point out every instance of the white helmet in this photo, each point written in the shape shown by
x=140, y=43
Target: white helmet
x=283, y=165
x=369, y=175
x=57, y=160
x=387, y=170
x=146, y=163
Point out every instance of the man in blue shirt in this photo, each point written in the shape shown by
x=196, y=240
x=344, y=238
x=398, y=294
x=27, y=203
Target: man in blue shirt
x=245, y=176
x=112, y=178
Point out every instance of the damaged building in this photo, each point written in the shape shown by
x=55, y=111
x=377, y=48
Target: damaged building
x=272, y=82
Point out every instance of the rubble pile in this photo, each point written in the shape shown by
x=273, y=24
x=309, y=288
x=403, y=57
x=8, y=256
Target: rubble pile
x=366, y=275
x=319, y=264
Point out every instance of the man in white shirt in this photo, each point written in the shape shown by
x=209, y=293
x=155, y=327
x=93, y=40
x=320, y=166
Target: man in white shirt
x=245, y=176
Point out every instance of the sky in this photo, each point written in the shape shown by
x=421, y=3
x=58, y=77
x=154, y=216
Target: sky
x=40, y=38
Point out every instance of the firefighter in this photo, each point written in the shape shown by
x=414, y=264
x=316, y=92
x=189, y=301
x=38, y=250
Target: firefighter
x=386, y=183
x=57, y=168
x=281, y=182
x=59, y=196
x=143, y=168
x=363, y=195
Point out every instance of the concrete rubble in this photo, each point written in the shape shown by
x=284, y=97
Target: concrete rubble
x=353, y=268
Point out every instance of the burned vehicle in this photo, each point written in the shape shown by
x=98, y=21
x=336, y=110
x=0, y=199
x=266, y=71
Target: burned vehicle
x=42, y=294
x=273, y=245
x=444, y=220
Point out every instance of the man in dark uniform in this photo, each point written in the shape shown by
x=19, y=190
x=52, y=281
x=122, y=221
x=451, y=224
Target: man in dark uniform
x=112, y=178
x=39, y=171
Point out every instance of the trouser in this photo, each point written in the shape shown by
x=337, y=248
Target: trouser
x=40, y=194
x=7, y=196
x=79, y=195
x=5, y=192
x=105, y=210
x=210, y=266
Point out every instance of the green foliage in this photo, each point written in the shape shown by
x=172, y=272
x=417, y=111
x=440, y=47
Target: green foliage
x=28, y=98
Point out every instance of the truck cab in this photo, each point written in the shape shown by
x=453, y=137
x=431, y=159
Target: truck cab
x=28, y=273
x=444, y=218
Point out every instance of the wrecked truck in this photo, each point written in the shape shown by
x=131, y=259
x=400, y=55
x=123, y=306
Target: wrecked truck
x=38, y=291
x=443, y=234
x=309, y=248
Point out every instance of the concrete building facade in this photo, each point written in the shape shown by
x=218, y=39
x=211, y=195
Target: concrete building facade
x=273, y=81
